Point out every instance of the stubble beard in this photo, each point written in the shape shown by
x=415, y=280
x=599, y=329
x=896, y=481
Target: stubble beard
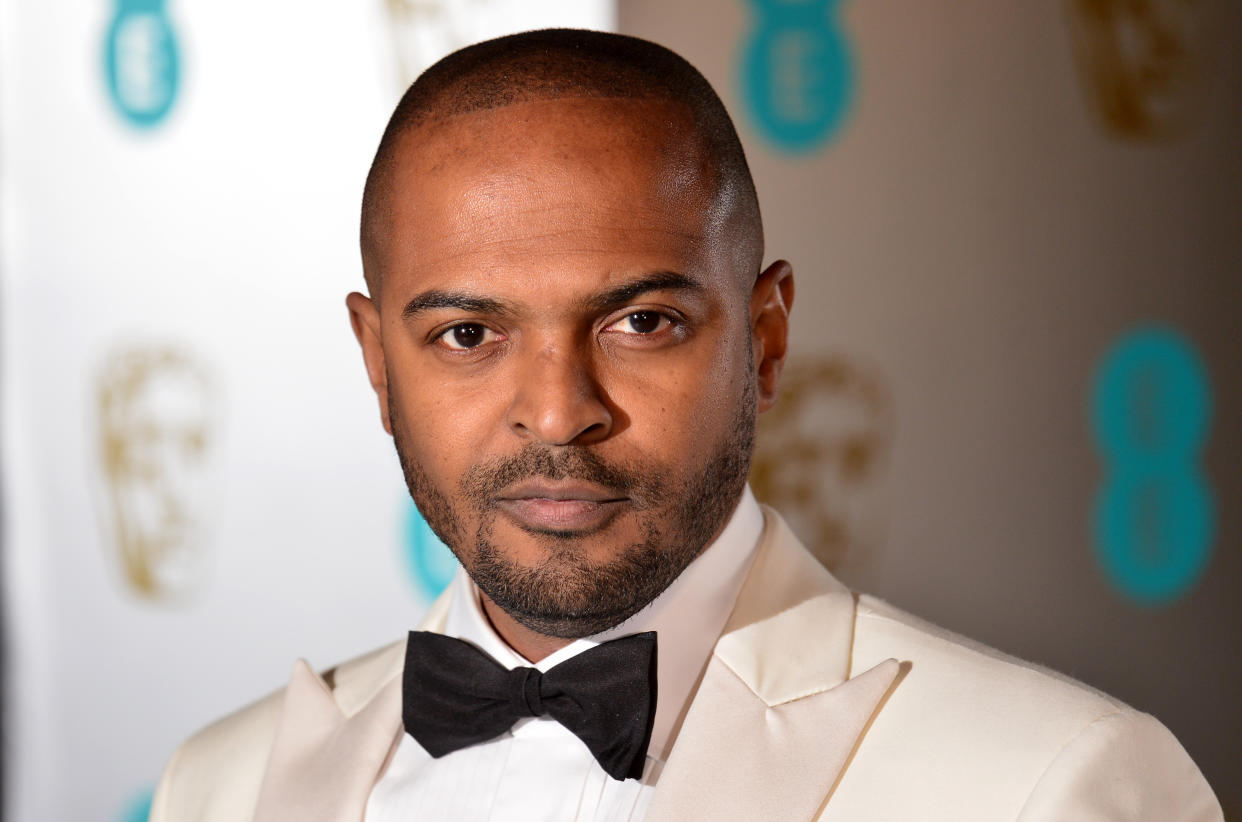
x=566, y=595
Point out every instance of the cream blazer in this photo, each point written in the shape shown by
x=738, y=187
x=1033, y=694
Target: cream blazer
x=815, y=704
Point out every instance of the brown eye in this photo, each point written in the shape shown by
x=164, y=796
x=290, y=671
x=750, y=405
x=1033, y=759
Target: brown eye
x=641, y=322
x=466, y=336
x=644, y=322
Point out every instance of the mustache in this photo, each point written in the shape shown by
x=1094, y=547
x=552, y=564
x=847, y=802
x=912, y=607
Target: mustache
x=483, y=483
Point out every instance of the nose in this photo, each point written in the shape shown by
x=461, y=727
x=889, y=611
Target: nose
x=559, y=401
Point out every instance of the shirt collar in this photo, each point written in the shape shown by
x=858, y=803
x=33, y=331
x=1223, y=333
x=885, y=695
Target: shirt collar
x=687, y=618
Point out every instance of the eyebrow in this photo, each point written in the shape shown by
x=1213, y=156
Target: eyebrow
x=433, y=300
x=612, y=298
x=655, y=281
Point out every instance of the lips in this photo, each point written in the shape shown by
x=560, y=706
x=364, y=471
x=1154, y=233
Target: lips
x=564, y=506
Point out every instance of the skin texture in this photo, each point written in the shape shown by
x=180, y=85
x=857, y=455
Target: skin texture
x=569, y=352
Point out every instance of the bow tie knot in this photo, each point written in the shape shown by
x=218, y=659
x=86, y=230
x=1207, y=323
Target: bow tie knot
x=455, y=695
x=525, y=684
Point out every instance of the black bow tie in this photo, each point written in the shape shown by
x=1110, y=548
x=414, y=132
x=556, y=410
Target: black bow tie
x=455, y=695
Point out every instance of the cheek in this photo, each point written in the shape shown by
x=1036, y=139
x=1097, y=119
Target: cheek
x=682, y=406
x=444, y=424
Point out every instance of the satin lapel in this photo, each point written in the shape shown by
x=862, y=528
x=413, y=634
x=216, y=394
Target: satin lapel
x=333, y=742
x=776, y=717
x=738, y=758
x=324, y=764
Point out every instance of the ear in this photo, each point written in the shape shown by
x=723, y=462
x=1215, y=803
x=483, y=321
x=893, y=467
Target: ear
x=770, y=302
x=365, y=319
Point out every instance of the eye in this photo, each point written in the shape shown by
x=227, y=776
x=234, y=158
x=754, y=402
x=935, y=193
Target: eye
x=466, y=336
x=641, y=322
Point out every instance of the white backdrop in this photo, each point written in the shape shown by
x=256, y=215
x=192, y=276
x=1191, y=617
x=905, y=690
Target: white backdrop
x=179, y=232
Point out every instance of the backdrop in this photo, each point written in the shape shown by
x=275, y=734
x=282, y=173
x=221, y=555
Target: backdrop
x=197, y=486
x=1011, y=408
x=1017, y=232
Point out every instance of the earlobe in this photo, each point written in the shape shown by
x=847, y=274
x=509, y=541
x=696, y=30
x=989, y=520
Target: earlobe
x=365, y=320
x=770, y=303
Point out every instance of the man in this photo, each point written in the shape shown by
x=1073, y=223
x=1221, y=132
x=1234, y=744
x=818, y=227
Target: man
x=570, y=334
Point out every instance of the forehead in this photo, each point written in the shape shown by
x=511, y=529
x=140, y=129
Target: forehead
x=585, y=182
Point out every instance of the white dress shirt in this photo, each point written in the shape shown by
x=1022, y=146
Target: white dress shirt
x=541, y=771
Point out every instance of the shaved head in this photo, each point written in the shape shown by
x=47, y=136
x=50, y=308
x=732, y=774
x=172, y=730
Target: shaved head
x=557, y=64
x=573, y=336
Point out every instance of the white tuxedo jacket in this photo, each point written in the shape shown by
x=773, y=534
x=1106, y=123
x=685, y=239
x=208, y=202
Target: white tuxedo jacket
x=815, y=704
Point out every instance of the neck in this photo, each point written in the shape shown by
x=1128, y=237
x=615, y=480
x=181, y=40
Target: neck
x=531, y=645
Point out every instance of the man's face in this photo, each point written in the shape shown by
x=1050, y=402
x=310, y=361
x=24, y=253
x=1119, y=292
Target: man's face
x=567, y=368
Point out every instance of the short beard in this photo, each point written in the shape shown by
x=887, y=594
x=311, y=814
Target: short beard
x=566, y=595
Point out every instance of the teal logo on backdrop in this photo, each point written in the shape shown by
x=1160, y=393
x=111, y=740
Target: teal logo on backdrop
x=797, y=72
x=1154, y=517
x=431, y=564
x=142, y=63
x=138, y=808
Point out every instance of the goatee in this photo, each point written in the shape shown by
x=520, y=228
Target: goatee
x=567, y=595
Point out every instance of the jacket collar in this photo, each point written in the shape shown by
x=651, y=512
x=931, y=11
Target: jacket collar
x=792, y=629
x=335, y=735
x=777, y=716
x=776, y=713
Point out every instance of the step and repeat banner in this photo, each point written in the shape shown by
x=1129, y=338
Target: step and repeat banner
x=1012, y=406
x=1014, y=396
x=197, y=488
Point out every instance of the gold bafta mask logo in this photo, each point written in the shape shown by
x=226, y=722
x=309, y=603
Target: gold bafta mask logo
x=423, y=31
x=155, y=416
x=820, y=458
x=1144, y=63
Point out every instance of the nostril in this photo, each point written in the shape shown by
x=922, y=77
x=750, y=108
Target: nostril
x=559, y=402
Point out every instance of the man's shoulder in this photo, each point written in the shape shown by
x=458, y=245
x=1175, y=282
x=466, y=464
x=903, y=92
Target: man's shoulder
x=959, y=669
x=216, y=773
x=1015, y=738
x=351, y=682
x=939, y=666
